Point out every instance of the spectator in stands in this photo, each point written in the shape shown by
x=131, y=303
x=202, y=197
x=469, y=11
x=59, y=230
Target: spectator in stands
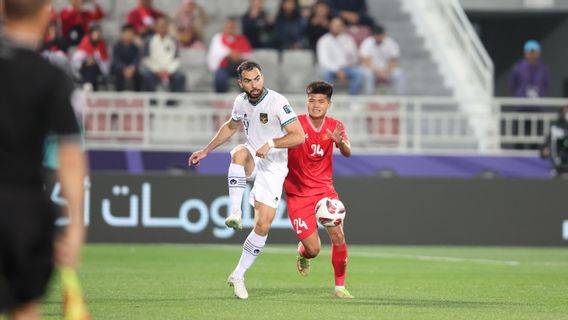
x=75, y=21
x=54, y=48
x=354, y=12
x=190, y=22
x=161, y=60
x=306, y=7
x=126, y=61
x=227, y=50
x=143, y=18
x=258, y=26
x=318, y=23
x=530, y=76
x=91, y=60
x=379, y=55
x=338, y=58
x=289, y=26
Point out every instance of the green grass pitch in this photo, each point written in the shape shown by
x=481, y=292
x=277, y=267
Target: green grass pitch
x=388, y=282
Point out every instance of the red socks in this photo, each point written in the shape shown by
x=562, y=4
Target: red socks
x=302, y=250
x=339, y=262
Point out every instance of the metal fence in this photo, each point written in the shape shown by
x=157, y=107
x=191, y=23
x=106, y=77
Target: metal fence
x=406, y=124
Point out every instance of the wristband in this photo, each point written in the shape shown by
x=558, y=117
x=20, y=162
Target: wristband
x=270, y=143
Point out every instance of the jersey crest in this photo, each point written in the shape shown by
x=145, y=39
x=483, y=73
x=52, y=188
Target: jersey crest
x=264, y=118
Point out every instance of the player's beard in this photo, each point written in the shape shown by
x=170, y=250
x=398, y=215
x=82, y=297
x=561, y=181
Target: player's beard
x=254, y=95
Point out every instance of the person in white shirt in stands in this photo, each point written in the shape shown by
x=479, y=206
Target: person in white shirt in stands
x=338, y=59
x=379, y=54
x=161, y=60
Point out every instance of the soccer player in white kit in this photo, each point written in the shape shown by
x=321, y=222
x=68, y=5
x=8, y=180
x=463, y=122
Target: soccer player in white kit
x=270, y=126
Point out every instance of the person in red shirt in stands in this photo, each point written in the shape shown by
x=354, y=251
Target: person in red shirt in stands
x=143, y=17
x=91, y=59
x=228, y=49
x=75, y=21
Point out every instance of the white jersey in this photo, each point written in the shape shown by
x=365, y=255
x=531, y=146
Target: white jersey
x=265, y=120
x=380, y=54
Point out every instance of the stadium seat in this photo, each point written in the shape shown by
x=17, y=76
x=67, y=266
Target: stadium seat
x=194, y=65
x=268, y=60
x=233, y=8
x=298, y=70
x=111, y=32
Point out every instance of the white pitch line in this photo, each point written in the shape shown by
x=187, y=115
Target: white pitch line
x=386, y=255
x=410, y=257
x=437, y=258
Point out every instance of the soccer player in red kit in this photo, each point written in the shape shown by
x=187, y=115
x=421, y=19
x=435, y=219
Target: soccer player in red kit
x=310, y=179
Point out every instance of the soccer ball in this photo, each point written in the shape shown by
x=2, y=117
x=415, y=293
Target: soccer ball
x=330, y=212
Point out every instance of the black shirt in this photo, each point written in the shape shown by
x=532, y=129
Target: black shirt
x=35, y=98
x=257, y=30
x=124, y=56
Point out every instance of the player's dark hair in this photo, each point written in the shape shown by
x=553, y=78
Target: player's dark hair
x=233, y=18
x=22, y=9
x=378, y=29
x=247, y=66
x=128, y=27
x=320, y=86
x=97, y=28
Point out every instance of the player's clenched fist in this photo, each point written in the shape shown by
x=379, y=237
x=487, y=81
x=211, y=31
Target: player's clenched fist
x=196, y=157
x=262, y=152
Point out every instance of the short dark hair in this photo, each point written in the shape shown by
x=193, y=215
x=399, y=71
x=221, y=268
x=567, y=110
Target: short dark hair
x=378, y=29
x=22, y=9
x=247, y=66
x=128, y=27
x=232, y=18
x=96, y=27
x=320, y=86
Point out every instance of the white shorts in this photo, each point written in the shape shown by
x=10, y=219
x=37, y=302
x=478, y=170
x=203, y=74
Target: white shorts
x=267, y=185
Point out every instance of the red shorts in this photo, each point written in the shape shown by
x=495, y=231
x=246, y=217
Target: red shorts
x=302, y=212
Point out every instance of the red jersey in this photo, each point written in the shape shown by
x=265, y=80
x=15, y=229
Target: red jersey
x=142, y=17
x=70, y=17
x=310, y=164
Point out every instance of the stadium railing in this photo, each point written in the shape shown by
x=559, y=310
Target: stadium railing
x=401, y=124
x=455, y=45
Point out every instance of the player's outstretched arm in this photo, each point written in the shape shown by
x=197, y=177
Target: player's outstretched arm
x=226, y=131
x=294, y=137
x=72, y=171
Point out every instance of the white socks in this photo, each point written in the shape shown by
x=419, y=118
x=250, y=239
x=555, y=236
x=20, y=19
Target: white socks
x=251, y=249
x=237, y=183
x=254, y=243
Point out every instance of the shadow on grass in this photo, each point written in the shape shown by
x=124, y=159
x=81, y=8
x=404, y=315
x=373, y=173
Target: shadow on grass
x=317, y=295
x=441, y=303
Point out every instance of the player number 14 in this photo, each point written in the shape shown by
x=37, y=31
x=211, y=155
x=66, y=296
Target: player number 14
x=299, y=223
x=317, y=150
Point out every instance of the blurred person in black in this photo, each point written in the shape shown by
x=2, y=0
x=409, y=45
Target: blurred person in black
x=318, y=23
x=258, y=26
x=555, y=147
x=126, y=60
x=354, y=12
x=35, y=98
x=290, y=27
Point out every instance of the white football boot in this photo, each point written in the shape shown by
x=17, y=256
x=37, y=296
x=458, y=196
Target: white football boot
x=239, y=288
x=235, y=221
